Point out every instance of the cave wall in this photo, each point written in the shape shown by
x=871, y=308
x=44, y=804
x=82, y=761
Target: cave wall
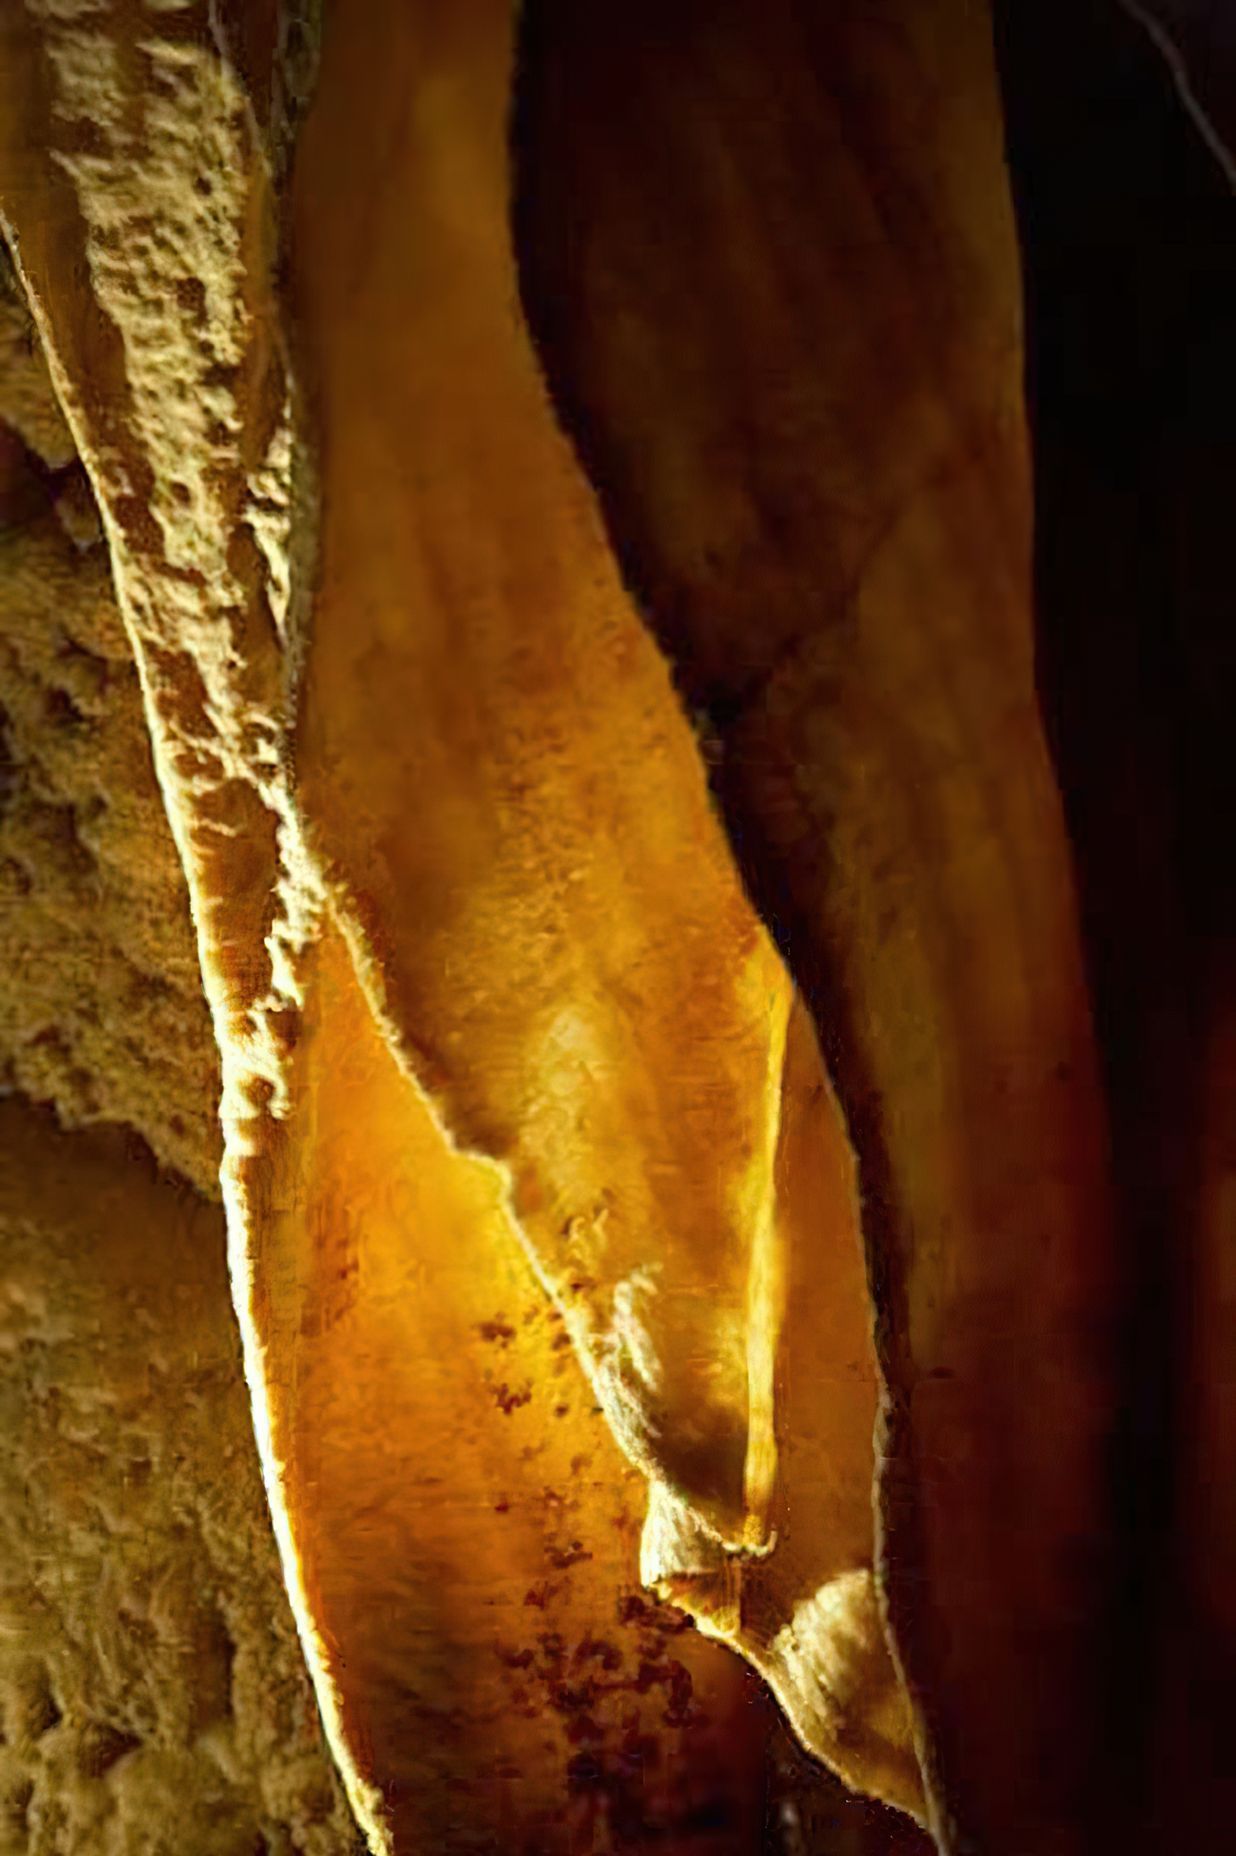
x=586, y=582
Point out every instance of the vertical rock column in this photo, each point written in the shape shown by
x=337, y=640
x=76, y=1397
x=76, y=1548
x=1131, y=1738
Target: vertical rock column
x=502, y=1039
x=770, y=263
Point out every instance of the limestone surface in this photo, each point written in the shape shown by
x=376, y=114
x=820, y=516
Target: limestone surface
x=153, y=1696
x=101, y=1007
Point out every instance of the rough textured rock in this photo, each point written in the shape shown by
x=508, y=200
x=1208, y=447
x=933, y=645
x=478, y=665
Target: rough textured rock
x=30, y=405
x=154, y=1680
x=152, y=1689
x=382, y=995
x=542, y=1213
x=153, y=1695
x=101, y=1009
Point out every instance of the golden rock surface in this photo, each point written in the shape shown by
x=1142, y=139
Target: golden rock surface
x=152, y=1692
x=499, y=1030
x=153, y=1695
x=534, y=540
x=832, y=536
x=551, y=923
x=101, y=1010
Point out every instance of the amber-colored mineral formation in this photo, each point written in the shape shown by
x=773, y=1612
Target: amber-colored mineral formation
x=151, y=1683
x=834, y=537
x=529, y=676
x=529, y=1154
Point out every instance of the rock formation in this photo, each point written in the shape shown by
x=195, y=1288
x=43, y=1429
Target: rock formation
x=152, y=1691
x=551, y=829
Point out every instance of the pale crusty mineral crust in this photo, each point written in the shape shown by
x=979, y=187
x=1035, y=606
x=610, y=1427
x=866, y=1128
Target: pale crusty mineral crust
x=101, y=1007
x=153, y=1695
x=153, y=1699
x=26, y=398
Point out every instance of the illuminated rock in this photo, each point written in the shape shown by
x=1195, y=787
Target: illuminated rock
x=496, y=1021
x=794, y=230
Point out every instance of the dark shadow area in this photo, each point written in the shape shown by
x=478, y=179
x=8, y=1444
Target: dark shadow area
x=1128, y=231
x=809, y=1812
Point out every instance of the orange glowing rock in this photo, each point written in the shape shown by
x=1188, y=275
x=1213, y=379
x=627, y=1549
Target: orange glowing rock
x=540, y=1210
x=792, y=227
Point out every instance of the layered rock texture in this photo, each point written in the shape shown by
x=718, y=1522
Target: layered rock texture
x=153, y=1695
x=102, y=1012
x=620, y=1088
